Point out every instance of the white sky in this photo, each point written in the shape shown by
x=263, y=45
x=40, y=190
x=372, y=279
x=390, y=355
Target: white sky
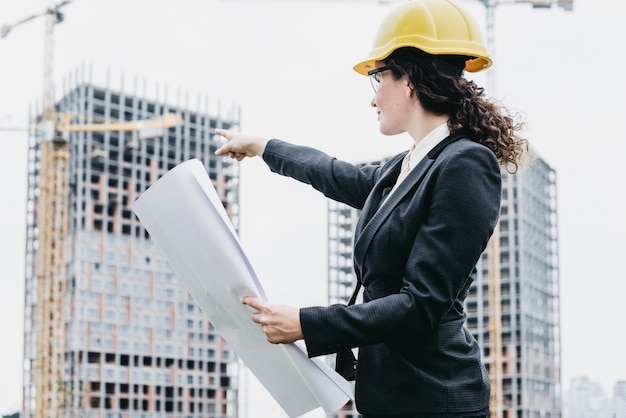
x=289, y=66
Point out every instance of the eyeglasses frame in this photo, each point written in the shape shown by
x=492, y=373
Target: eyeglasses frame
x=374, y=78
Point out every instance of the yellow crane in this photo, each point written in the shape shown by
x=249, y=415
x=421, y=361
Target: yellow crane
x=494, y=297
x=52, y=208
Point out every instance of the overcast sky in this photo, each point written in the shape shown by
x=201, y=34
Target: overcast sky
x=289, y=67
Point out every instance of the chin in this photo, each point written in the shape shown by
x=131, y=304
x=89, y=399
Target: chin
x=387, y=131
x=383, y=130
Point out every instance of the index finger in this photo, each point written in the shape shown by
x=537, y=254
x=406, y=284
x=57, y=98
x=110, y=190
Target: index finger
x=254, y=302
x=221, y=131
x=224, y=133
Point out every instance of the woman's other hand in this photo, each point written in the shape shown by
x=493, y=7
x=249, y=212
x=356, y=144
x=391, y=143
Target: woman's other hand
x=280, y=323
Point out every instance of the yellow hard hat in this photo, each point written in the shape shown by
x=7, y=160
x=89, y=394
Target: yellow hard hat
x=438, y=27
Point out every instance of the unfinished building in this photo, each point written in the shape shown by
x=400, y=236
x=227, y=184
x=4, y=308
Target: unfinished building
x=109, y=329
x=513, y=308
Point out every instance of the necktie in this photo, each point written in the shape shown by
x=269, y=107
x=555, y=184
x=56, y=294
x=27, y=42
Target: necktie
x=406, y=168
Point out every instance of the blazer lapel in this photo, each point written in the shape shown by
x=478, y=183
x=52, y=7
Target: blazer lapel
x=380, y=190
x=373, y=215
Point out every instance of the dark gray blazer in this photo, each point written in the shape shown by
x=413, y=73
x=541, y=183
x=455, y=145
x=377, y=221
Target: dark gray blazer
x=415, y=256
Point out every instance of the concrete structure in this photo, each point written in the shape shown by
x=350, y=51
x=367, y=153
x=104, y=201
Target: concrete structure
x=132, y=342
x=529, y=291
x=619, y=400
x=585, y=399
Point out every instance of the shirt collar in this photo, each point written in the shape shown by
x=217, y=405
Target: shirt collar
x=418, y=151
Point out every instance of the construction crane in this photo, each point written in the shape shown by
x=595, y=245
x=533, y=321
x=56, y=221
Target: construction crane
x=53, y=16
x=53, y=223
x=494, y=297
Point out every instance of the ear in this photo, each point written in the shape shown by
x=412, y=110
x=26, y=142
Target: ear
x=410, y=90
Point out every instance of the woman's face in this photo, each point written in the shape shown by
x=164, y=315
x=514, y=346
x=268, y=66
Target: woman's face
x=394, y=102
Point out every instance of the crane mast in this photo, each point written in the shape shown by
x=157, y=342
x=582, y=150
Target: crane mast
x=52, y=227
x=494, y=295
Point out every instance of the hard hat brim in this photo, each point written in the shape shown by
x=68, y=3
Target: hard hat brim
x=472, y=65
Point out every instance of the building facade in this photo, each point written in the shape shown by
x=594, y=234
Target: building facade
x=525, y=272
x=619, y=399
x=585, y=398
x=119, y=335
x=524, y=352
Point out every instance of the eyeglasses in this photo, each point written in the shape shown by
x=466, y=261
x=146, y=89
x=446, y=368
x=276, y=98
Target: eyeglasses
x=376, y=77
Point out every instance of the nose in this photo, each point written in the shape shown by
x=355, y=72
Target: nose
x=373, y=102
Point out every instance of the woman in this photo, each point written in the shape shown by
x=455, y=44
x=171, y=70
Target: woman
x=426, y=217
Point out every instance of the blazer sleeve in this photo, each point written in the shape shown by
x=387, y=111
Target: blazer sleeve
x=450, y=216
x=338, y=180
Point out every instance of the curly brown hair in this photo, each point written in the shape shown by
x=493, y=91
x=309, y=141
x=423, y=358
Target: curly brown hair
x=438, y=82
